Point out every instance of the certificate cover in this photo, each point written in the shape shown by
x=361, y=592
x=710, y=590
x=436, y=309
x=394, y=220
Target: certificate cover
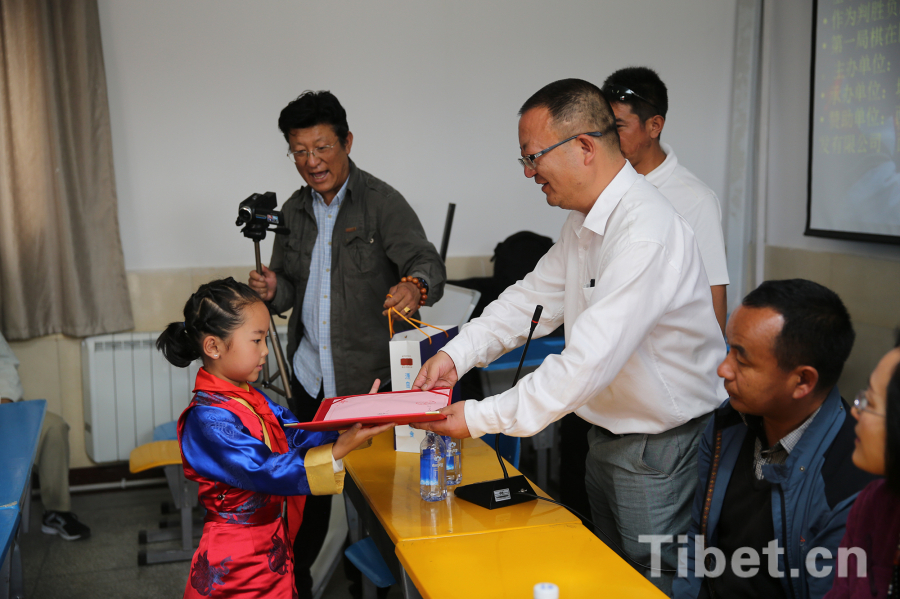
x=402, y=407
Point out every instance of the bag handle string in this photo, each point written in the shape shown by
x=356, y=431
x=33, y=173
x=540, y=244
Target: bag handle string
x=411, y=321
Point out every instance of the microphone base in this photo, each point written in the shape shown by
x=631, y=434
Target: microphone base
x=493, y=494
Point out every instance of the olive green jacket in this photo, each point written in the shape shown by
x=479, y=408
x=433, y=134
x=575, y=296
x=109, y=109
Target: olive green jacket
x=377, y=239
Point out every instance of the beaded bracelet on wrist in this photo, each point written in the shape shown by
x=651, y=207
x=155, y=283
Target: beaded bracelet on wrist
x=423, y=291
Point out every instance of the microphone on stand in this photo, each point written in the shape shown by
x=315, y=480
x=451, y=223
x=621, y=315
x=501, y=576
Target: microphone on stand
x=509, y=490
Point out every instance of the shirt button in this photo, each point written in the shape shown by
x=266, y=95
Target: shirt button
x=329, y=243
x=329, y=216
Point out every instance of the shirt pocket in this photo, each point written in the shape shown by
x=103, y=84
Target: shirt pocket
x=359, y=247
x=586, y=293
x=297, y=258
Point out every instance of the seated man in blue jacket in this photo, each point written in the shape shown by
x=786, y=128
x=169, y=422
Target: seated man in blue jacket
x=776, y=475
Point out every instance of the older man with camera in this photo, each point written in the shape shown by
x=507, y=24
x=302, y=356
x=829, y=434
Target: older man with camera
x=355, y=249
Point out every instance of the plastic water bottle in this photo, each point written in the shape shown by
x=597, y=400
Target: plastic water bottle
x=546, y=590
x=432, y=476
x=453, y=460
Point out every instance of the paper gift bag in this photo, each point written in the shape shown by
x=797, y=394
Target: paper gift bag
x=409, y=350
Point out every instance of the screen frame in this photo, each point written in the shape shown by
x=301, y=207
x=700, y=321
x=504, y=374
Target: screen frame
x=809, y=231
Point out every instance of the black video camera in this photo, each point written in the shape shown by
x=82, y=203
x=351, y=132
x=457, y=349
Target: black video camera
x=258, y=214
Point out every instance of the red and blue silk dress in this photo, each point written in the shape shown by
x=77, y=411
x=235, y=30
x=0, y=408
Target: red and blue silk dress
x=249, y=468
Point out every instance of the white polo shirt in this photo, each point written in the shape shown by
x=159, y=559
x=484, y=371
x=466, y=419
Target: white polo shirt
x=642, y=343
x=700, y=208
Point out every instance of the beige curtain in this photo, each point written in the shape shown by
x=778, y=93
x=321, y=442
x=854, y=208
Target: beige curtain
x=61, y=263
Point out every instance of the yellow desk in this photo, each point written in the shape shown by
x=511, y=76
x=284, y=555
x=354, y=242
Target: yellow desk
x=384, y=501
x=509, y=563
x=388, y=482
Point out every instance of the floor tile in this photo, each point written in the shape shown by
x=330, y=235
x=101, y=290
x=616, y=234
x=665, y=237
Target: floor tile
x=105, y=565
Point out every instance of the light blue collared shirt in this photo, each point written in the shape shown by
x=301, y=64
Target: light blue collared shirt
x=313, y=362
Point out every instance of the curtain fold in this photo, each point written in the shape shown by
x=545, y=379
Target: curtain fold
x=743, y=148
x=61, y=264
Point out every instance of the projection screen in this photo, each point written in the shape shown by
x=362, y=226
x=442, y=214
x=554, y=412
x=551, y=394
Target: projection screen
x=854, y=145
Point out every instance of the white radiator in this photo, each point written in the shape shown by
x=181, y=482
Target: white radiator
x=130, y=389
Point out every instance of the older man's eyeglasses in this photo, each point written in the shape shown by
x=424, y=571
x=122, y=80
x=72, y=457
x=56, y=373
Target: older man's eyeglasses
x=620, y=93
x=861, y=403
x=301, y=156
x=528, y=160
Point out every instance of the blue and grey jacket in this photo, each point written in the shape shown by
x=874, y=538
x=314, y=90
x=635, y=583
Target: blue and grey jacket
x=812, y=493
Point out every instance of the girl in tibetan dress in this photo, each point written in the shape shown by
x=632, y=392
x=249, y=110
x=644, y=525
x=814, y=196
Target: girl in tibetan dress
x=253, y=472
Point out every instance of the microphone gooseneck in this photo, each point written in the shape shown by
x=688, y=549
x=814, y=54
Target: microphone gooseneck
x=535, y=319
x=534, y=322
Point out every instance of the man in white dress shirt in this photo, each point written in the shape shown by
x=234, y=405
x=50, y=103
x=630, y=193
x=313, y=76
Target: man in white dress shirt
x=640, y=102
x=642, y=342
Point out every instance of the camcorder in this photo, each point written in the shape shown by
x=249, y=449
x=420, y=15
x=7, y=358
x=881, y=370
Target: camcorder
x=258, y=215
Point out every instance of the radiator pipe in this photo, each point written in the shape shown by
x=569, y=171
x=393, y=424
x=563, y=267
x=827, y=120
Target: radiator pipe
x=122, y=484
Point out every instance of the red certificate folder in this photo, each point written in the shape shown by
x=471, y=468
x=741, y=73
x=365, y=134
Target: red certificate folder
x=401, y=407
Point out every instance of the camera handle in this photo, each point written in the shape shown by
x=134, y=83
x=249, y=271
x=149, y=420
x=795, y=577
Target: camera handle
x=276, y=345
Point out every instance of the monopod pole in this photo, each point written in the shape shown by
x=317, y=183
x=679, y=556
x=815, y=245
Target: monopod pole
x=276, y=346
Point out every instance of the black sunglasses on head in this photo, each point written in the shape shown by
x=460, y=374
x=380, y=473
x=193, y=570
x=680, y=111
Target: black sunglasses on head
x=620, y=93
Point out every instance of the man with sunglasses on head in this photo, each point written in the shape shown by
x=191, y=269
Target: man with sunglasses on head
x=352, y=238
x=642, y=342
x=640, y=101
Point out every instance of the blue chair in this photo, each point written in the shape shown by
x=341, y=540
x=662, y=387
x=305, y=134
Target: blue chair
x=166, y=432
x=365, y=556
x=510, y=448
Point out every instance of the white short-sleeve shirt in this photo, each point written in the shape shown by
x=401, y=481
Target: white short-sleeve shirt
x=699, y=206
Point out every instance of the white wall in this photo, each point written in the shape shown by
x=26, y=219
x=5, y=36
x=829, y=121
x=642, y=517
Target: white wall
x=431, y=91
x=788, y=143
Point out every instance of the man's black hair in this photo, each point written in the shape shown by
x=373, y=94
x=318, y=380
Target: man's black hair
x=314, y=108
x=576, y=106
x=646, y=83
x=892, y=426
x=817, y=330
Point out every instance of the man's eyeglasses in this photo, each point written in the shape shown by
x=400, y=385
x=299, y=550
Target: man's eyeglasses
x=861, y=403
x=528, y=160
x=301, y=156
x=620, y=93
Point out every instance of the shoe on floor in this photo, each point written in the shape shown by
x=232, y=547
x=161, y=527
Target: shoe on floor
x=64, y=524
